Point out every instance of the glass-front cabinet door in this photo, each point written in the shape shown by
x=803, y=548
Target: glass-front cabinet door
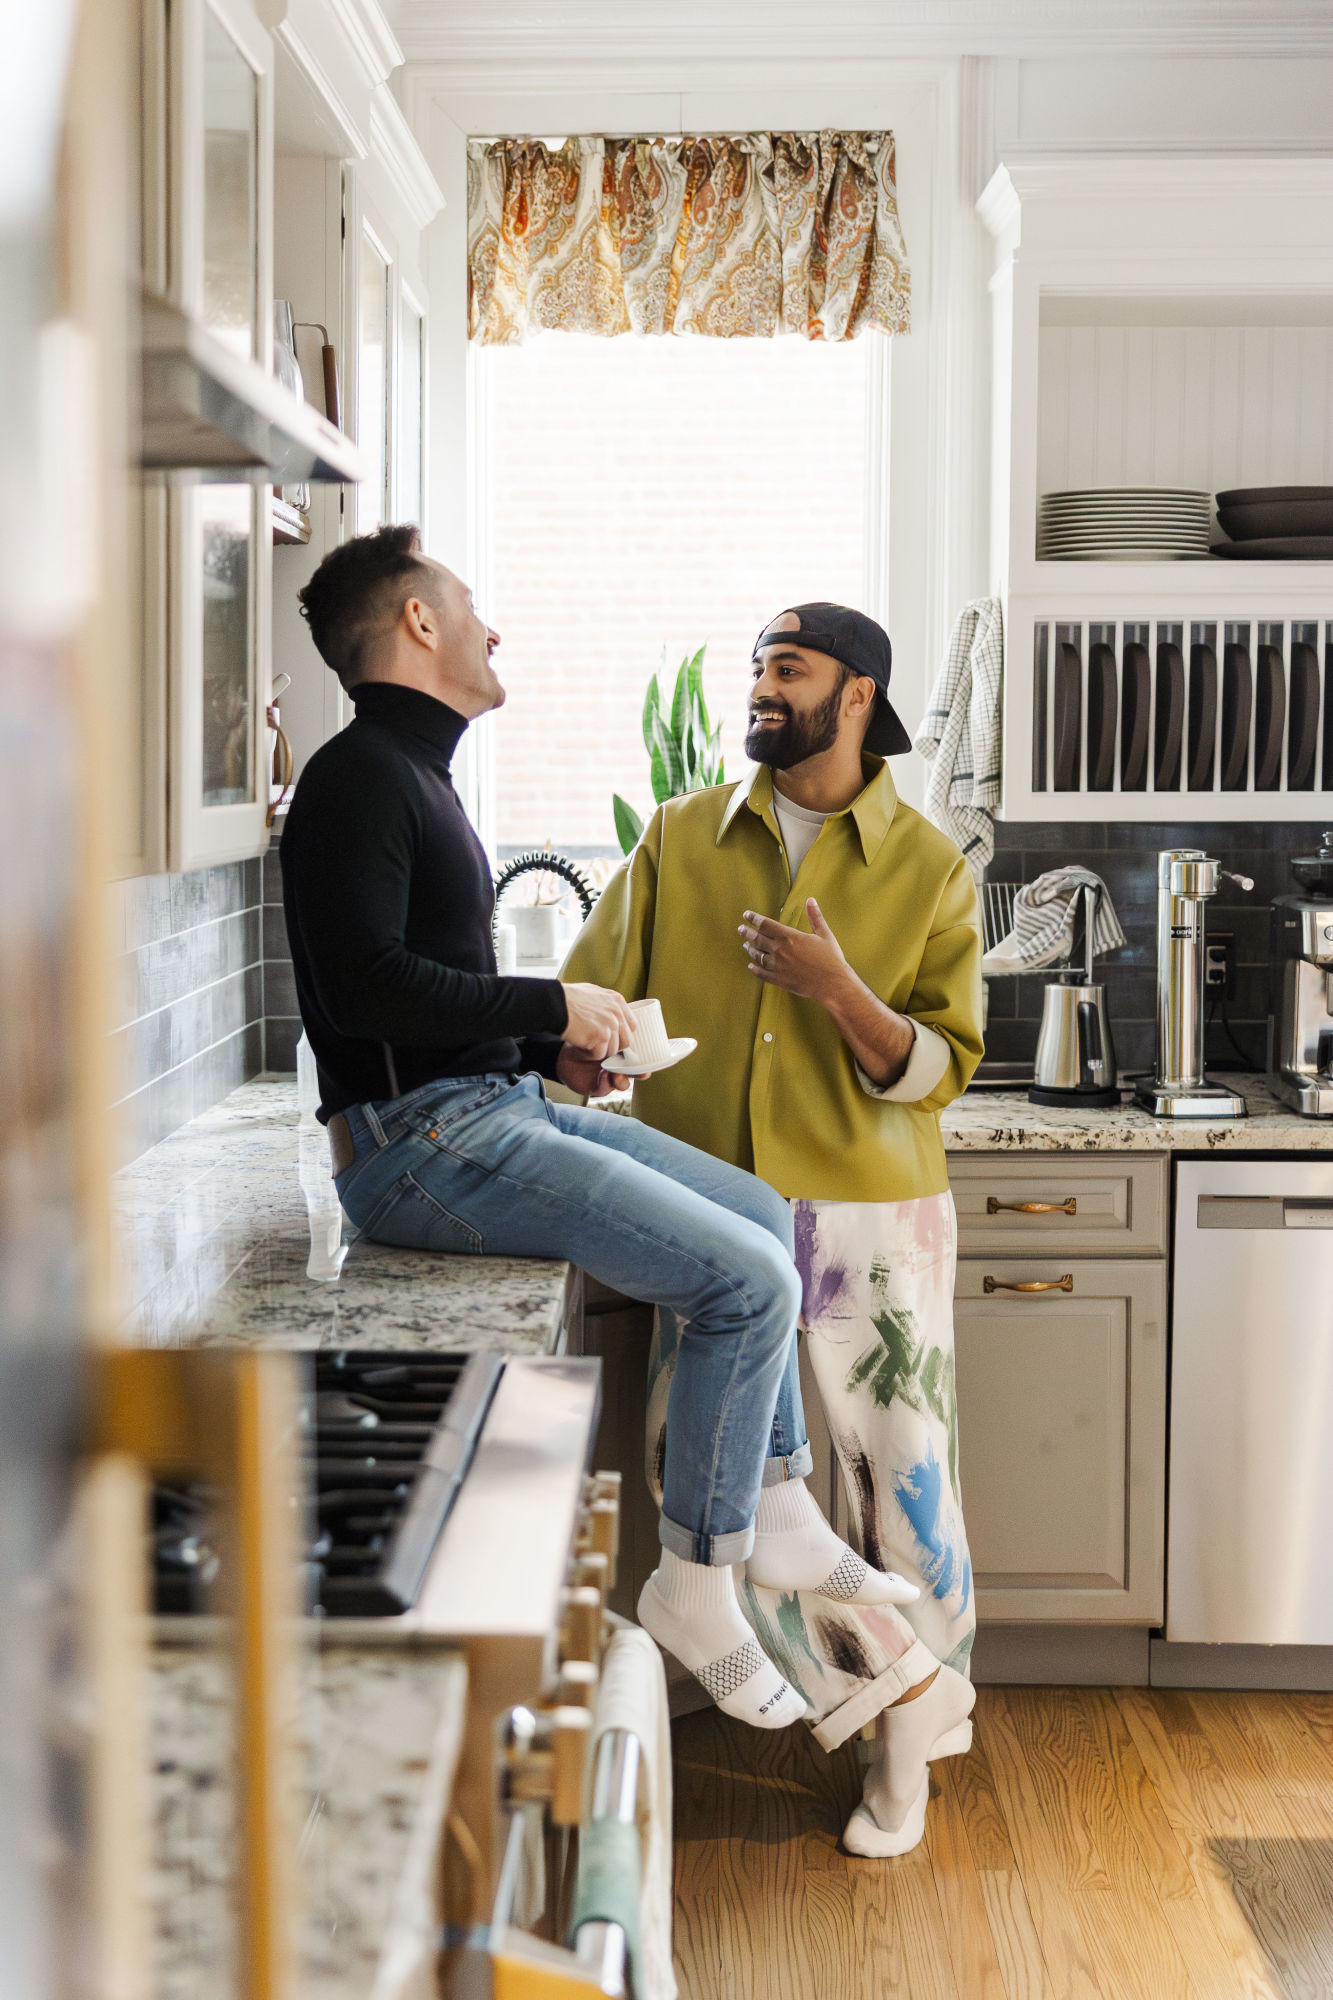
x=410, y=482
x=383, y=293
x=373, y=381
x=230, y=209
x=217, y=220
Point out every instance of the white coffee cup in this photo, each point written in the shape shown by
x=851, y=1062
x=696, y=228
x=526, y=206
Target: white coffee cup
x=648, y=1046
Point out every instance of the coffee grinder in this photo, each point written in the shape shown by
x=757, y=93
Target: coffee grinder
x=1186, y=878
x=1300, y=1045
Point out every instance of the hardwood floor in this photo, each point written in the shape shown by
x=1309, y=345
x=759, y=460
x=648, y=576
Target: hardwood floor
x=1129, y=1844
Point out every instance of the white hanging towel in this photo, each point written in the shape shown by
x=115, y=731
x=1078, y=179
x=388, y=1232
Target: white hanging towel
x=1044, y=916
x=632, y=1695
x=960, y=733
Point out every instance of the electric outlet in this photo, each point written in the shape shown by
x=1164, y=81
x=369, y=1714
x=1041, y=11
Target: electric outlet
x=1219, y=963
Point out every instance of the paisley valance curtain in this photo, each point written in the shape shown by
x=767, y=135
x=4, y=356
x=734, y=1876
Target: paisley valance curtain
x=729, y=237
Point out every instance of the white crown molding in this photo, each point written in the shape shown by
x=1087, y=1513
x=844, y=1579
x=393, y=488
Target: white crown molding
x=581, y=32
x=307, y=59
x=394, y=145
x=449, y=85
x=370, y=37
x=1208, y=176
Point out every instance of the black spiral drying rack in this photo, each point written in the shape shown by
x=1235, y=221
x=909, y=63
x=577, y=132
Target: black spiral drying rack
x=538, y=861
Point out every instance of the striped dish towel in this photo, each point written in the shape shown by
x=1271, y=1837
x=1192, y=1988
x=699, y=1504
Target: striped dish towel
x=1045, y=912
x=960, y=733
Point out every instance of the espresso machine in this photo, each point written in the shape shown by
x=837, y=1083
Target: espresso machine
x=1301, y=1022
x=1186, y=878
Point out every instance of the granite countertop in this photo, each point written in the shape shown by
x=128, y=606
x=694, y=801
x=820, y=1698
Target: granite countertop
x=989, y=1121
x=378, y=1741
x=212, y=1237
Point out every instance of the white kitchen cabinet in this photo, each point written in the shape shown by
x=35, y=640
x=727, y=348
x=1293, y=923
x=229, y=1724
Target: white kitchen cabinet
x=1160, y=322
x=1060, y=1204
x=1062, y=1437
x=208, y=216
x=384, y=294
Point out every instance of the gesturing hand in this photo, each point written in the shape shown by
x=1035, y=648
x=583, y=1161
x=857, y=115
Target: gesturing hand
x=808, y=963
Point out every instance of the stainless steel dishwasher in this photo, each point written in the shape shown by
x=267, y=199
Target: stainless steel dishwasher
x=1250, y=1522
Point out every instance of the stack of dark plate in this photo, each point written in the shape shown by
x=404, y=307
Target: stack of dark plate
x=1122, y=524
x=1276, y=523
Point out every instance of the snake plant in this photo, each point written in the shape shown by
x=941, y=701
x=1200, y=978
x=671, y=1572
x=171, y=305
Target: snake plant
x=684, y=750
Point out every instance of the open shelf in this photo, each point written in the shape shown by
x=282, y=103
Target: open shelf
x=1127, y=355
x=1217, y=581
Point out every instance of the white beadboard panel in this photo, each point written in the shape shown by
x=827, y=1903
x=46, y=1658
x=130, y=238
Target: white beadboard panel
x=1206, y=407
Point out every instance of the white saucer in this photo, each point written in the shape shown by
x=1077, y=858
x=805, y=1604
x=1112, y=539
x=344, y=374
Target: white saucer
x=678, y=1048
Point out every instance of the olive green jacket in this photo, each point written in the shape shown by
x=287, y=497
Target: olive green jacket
x=772, y=1086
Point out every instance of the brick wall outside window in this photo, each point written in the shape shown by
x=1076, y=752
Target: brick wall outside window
x=651, y=492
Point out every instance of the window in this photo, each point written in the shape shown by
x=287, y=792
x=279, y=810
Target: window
x=644, y=494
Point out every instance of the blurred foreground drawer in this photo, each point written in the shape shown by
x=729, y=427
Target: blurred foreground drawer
x=1056, y=1203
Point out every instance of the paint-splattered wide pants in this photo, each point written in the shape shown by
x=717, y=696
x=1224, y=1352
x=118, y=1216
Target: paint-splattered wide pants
x=878, y=1281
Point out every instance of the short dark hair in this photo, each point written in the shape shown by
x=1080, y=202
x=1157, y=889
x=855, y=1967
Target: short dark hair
x=357, y=588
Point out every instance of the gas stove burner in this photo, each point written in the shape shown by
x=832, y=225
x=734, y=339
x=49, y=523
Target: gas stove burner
x=388, y=1438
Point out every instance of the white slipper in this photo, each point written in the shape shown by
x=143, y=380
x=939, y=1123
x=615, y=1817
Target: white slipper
x=864, y=1836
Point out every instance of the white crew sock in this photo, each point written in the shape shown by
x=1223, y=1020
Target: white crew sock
x=691, y=1611
x=795, y=1549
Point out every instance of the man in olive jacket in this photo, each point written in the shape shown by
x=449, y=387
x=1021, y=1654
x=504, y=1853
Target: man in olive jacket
x=822, y=941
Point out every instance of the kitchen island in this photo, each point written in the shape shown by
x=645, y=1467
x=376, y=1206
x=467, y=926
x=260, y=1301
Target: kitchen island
x=213, y=1237
x=378, y=1740
x=212, y=1243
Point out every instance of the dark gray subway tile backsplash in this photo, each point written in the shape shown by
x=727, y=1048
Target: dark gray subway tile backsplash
x=282, y=1022
x=189, y=996
x=1125, y=856
x=205, y=997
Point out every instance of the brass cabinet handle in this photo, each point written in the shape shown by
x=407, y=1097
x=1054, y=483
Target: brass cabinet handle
x=1065, y=1284
x=1070, y=1207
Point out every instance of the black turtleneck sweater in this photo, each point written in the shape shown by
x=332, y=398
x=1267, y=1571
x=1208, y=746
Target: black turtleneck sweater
x=389, y=903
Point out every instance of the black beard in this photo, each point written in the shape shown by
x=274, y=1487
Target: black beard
x=800, y=736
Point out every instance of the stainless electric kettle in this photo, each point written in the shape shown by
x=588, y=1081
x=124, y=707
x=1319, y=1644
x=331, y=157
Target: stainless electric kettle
x=1075, y=1056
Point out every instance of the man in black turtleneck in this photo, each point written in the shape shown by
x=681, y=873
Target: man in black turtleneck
x=387, y=889
x=443, y=1138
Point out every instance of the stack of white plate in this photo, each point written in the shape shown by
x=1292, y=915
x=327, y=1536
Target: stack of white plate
x=1123, y=524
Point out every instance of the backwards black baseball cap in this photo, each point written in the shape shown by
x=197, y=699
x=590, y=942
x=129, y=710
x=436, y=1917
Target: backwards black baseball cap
x=859, y=643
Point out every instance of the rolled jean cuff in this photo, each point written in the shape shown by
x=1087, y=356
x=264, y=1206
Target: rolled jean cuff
x=918, y=1663
x=797, y=1464
x=717, y=1551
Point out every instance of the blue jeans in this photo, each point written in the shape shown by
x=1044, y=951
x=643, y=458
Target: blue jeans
x=487, y=1165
